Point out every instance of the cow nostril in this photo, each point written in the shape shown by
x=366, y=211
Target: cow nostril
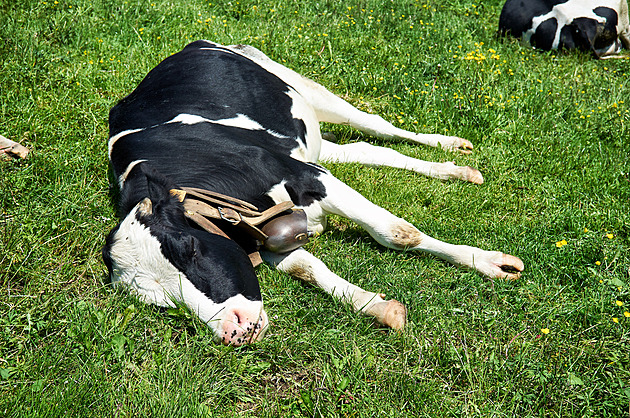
x=240, y=327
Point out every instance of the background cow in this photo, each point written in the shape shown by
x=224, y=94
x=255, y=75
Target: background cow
x=230, y=120
x=598, y=26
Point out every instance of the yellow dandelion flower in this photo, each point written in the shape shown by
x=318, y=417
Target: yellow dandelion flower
x=626, y=314
x=545, y=331
x=598, y=263
x=616, y=320
x=619, y=303
x=610, y=236
x=562, y=243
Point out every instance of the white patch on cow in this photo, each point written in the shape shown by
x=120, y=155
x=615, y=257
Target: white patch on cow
x=139, y=266
x=113, y=139
x=300, y=109
x=188, y=119
x=138, y=263
x=123, y=177
x=241, y=121
x=276, y=134
x=314, y=213
x=210, y=48
x=565, y=13
x=278, y=193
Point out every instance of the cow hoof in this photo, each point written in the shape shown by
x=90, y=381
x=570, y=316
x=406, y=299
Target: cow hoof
x=511, y=267
x=473, y=175
x=391, y=313
x=505, y=266
x=457, y=144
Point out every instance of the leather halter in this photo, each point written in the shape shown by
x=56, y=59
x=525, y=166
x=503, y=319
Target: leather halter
x=280, y=228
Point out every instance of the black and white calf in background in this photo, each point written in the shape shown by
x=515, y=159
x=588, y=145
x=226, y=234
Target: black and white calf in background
x=598, y=26
x=229, y=120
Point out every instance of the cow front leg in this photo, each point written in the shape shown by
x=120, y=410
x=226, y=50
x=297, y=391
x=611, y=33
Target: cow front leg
x=303, y=265
x=394, y=232
x=364, y=153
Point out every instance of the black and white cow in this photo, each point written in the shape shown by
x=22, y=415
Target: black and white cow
x=230, y=120
x=598, y=26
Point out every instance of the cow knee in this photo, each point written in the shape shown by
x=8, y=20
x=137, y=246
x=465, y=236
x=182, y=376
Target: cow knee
x=402, y=235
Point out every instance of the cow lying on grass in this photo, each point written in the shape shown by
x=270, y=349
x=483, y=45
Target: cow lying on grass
x=212, y=150
x=598, y=26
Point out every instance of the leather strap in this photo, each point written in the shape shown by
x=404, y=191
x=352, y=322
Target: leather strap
x=203, y=205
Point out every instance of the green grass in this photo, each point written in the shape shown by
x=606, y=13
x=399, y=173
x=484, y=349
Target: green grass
x=551, y=135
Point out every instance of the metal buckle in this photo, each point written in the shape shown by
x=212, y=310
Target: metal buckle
x=225, y=218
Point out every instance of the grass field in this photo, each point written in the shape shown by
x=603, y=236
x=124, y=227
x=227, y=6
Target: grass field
x=552, y=138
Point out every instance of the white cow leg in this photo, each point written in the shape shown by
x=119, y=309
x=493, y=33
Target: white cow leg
x=364, y=153
x=303, y=265
x=333, y=109
x=396, y=233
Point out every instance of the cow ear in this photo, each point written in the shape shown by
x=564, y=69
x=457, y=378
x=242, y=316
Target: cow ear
x=158, y=188
x=145, y=207
x=145, y=185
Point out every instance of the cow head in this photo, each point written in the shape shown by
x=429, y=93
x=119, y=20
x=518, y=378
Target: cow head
x=158, y=255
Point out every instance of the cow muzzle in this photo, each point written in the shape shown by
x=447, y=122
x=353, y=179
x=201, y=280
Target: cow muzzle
x=243, y=325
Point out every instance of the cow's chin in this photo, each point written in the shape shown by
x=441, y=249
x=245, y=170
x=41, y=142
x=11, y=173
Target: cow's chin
x=240, y=322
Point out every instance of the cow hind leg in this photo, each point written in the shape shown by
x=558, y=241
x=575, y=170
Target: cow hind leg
x=303, y=265
x=364, y=153
x=331, y=108
x=396, y=233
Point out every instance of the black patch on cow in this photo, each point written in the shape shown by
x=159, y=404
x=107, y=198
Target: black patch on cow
x=583, y=34
x=569, y=34
x=238, y=162
x=545, y=34
x=612, y=19
x=215, y=265
x=305, y=190
x=208, y=81
x=517, y=15
x=607, y=33
x=144, y=181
